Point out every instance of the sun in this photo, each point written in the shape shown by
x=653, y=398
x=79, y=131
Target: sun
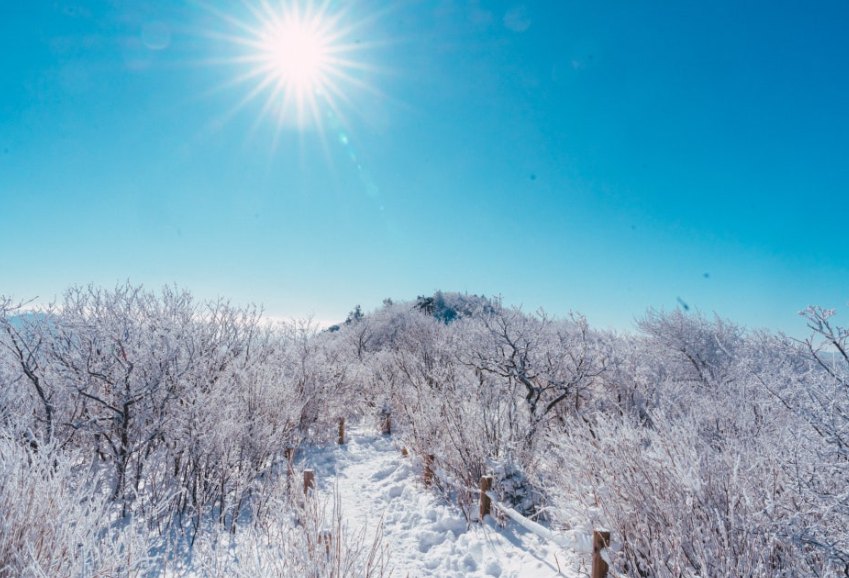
x=298, y=58
x=298, y=55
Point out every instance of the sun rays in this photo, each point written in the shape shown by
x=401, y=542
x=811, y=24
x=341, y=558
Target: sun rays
x=300, y=60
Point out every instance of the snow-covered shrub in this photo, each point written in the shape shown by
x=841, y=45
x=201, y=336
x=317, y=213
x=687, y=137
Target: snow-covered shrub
x=694, y=350
x=810, y=380
x=18, y=411
x=678, y=504
x=724, y=468
x=293, y=541
x=437, y=402
x=476, y=392
x=57, y=520
x=705, y=448
x=186, y=406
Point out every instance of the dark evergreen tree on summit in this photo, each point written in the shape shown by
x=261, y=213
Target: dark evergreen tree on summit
x=354, y=316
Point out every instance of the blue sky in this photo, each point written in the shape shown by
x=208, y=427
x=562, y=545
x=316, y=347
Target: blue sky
x=602, y=157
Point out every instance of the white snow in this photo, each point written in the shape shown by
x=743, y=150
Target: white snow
x=426, y=535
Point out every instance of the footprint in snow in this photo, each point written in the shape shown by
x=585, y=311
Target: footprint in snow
x=469, y=563
x=382, y=474
x=428, y=540
x=456, y=525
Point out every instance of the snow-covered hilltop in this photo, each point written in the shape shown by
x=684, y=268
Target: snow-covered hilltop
x=150, y=434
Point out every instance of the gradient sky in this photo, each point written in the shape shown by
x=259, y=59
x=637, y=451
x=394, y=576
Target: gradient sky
x=602, y=157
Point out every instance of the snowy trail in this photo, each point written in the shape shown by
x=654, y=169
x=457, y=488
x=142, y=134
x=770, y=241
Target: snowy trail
x=425, y=535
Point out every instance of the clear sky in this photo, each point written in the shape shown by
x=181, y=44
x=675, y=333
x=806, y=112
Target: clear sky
x=602, y=157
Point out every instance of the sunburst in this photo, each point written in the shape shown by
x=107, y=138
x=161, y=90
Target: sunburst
x=300, y=57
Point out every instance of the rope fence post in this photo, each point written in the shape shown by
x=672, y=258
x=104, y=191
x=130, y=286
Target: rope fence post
x=486, y=502
x=326, y=538
x=489, y=500
x=289, y=453
x=309, y=482
x=428, y=471
x=601, y=540
x=341, y=430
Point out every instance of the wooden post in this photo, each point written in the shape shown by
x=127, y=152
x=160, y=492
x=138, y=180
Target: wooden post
x=341, y=430
x=428, y=471
x=486, y=503
x=289, y=452
x=326, y=538
x=387, y=424
x=601, y=540
x=309, y=481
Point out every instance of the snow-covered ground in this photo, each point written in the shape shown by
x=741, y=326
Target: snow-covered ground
x=425, y=535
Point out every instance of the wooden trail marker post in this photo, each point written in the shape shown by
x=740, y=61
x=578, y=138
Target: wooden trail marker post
x=428, y=471
x=341, y=430
x=289, y=452
x=309, y=482
x=486, y=502
x=601, y=540
x=326, y=538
